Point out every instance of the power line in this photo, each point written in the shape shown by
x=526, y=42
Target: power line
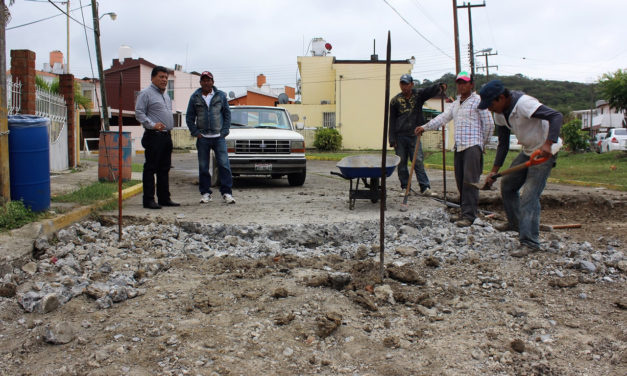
x=72, y=18
x=416, y=30
x=43, y=19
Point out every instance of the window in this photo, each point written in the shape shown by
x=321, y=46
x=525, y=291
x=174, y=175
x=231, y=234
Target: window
x=87, y=94
x=328, y=119
x=171, y=89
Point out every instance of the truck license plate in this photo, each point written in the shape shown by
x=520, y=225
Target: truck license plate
x=263, y=167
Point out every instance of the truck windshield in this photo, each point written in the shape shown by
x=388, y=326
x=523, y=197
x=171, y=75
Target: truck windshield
x=260, y=118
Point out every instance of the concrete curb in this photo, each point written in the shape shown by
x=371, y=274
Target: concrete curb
x=49, y=226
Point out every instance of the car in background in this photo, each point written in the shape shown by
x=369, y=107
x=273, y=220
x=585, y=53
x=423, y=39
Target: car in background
x=595, y=142
x=493, y=142
x=513, y=143
x=264, y=142
x=616, y=139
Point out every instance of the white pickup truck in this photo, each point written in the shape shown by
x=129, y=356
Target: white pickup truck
x=263, y=142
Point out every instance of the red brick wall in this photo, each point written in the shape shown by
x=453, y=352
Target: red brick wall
x=66, y=88
x=23, y=70
x=130, y=85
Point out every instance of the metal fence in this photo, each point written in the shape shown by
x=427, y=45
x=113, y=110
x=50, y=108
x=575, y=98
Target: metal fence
x=52, y=106
x=14, y=97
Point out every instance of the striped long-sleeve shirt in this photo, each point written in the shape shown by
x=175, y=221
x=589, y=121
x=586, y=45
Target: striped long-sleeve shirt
x=472, y=126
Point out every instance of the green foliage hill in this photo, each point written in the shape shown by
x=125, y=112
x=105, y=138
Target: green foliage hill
x=564, y=96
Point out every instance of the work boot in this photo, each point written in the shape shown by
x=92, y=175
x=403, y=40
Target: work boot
x=464, y=222
x=523, y=250
x=505, y=226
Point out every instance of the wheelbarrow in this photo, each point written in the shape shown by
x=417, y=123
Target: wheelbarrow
x=366, y=168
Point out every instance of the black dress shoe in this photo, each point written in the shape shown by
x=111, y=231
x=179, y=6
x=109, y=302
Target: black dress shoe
x=169, y=203
x=151, y=205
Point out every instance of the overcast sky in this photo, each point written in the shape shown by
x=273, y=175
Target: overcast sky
x=573, y=40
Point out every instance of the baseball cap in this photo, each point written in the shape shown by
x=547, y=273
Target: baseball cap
x=407, y=79
x=464, y=76
x=206, y=74
x=489, y=92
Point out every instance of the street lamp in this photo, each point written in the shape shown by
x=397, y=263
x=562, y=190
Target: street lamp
x=113, y=15
x=103, y=93
x=485, y=50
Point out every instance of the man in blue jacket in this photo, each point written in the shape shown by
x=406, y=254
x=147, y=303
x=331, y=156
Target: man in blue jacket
x=209, y=119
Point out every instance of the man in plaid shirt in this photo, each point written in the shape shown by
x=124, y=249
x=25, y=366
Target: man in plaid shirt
x=473, y=128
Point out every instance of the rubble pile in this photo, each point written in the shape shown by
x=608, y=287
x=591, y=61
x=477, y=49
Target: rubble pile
x=87, y=257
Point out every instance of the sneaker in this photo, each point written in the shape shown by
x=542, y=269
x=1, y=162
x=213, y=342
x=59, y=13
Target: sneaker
x=402, y=194
x=205, y=198
x=505, y=226
x=228, y=199
x=428, y=192
x=464, y=222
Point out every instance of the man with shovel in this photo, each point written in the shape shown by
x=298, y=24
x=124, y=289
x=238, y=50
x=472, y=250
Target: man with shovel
x=537, y=127
x=405, y=116
x=473, y=128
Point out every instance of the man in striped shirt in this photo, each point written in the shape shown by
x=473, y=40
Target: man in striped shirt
x=473, y=128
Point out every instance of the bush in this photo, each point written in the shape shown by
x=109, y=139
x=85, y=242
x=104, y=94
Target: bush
x=13, y=214
x=328, y=139
x=574, y=137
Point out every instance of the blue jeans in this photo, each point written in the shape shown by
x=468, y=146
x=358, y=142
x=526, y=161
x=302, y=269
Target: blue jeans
x=523, y=209
x=218, y=145
x=404, y=148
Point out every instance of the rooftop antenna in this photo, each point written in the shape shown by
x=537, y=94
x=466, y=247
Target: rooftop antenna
x=374, y=56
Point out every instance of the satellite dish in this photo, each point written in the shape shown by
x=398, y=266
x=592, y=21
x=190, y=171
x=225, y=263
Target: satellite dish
x=231, y=94
x=283, y=98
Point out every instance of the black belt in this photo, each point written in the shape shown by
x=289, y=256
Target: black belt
x=161, y=133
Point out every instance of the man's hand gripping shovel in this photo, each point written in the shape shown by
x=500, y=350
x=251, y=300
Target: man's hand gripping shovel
x=534, y=159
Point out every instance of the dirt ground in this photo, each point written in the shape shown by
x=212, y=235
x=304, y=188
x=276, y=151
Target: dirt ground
x=332, y=314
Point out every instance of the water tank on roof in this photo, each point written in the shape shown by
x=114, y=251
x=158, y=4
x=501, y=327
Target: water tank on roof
x=125, y=52
x=320, y=47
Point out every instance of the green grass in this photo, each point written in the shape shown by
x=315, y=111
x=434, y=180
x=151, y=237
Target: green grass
x=94, y=192
x=13, y=214
x=589, y=168
x=137, y=167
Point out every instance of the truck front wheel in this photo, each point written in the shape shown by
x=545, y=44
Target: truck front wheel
x=297, y=179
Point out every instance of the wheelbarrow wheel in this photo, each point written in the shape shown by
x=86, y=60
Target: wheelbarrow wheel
x=374, y=190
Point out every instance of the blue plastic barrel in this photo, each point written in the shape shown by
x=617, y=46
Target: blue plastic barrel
x=29, y=161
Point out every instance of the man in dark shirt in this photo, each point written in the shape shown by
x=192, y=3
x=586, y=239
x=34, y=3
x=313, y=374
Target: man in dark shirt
x=537, y=127
x=405, y=116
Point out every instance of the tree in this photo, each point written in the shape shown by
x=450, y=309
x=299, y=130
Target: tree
x=574, y=138
x=79, y=99
x=613, y=88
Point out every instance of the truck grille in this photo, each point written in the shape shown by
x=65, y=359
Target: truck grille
x=262, y=147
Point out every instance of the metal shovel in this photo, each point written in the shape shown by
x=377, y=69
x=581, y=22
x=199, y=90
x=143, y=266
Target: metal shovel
x=534, y=159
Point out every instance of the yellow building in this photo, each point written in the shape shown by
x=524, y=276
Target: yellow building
x=348, y=95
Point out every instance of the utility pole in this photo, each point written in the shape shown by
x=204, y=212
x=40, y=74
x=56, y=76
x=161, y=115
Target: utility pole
x=470, y=46
x=103, y=91
x=5, y=182
x=458, y=65
x=67, y=65
x=487, y=52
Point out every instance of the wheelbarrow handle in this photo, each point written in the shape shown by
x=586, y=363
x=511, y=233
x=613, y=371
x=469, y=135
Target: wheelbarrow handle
x=338, y=174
